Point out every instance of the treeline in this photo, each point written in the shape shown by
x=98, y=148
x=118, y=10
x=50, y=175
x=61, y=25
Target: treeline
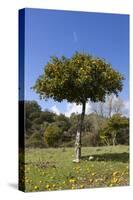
x=46, y=129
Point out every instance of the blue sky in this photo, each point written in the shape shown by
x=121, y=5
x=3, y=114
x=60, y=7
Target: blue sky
x=56, y=33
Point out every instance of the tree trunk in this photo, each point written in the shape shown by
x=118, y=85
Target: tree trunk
x=78, y=135
x=114, y=141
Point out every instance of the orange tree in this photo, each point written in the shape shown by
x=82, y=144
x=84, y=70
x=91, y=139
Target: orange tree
x=78, y=79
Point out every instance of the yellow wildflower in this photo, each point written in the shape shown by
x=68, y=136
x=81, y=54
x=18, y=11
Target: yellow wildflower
x=115, y=173
x=81, y=186
x=73, y=187
x=47, y=186
x=72, y=180
x=114, y=180
x=36, y=187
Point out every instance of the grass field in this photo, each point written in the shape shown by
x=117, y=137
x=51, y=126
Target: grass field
x=53, y=169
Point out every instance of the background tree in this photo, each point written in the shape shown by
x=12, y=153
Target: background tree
x=63, y=122
x=53, y=134
x=98, y=108
x=115, y=131
x=118, y=106
x=112, y=105
x=31, y=107
x=78, y=79
x=32, y=112
x=116, y=125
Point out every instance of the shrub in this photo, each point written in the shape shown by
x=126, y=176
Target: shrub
x=35, y=141
x=90, y=139
x=52, y=135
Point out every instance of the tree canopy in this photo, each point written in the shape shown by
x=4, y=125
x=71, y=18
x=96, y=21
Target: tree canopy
x=78, y=79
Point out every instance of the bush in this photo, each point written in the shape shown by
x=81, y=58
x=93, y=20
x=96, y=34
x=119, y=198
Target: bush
x=53, y=135
x=35, y=141
x=89, y=140
x=116, y=131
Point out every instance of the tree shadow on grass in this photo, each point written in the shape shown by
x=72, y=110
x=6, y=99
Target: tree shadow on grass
x=118, y=157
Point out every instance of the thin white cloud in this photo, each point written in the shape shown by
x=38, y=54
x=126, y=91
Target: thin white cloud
x=75, y=36
x=124, y=106
x=55, y=110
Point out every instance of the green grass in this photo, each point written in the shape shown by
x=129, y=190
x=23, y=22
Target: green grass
x=53, y=169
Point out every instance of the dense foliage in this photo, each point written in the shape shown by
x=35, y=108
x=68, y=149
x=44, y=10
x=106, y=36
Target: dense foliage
x=46, y=129
x=115, y=130
x=78, y=79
